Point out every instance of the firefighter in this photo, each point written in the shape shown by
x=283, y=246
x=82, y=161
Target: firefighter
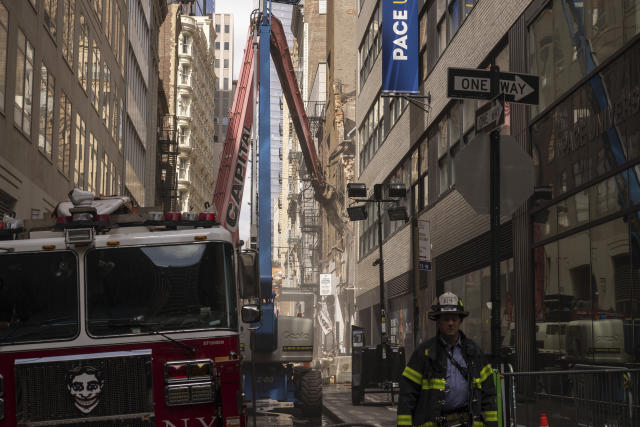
x=447, y=381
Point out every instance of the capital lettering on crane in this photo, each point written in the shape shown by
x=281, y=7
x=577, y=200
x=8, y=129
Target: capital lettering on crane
x=233, y=208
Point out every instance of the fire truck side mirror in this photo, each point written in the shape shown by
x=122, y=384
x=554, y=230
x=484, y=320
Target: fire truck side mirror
x=249, y=274
x=251, y=313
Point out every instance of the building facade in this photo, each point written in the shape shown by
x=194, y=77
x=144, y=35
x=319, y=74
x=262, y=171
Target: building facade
x=569, y=278
x=224, y=52
x=62, y=75
x=194, y=112
x=145, y=18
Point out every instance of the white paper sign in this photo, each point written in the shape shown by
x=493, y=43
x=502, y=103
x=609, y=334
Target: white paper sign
x=325, y=284
x=424, y=241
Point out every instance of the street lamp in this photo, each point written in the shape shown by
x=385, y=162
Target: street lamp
x=395, y=192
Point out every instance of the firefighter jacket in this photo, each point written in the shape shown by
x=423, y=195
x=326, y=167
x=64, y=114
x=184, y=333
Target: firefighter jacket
x=423, y=383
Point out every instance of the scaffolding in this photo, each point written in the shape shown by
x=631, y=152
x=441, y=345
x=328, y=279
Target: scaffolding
x=167, y=157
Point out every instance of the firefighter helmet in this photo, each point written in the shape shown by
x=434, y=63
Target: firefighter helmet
x=448, y=303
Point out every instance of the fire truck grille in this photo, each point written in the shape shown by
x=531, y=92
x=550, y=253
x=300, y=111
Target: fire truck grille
x=109, y=389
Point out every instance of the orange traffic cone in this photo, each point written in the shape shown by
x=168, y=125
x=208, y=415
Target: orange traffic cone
x=544, y=422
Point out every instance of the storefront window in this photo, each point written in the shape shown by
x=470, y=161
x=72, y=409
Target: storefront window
x=587, y=296
x=474, y=289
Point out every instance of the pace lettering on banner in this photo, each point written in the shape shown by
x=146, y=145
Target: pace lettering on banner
x=400, y=46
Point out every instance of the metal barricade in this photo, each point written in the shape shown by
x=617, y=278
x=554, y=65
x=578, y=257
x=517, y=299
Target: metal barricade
x=585, y=396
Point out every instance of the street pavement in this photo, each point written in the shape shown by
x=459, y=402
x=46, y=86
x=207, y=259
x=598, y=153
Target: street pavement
x=376, y=410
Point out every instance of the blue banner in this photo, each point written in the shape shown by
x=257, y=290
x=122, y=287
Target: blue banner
x=400, y=46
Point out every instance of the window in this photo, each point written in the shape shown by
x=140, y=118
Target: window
x=602, y=28
x=64, y=135
x=4, y=26
x=217, y=45
x=226, y=63
x=185, y=72
x=106, y=95
x=226, y=45
x=83, y=53
x=95, y=76
x=79, y=178
x=50, y=13
x=93, y=163
x=227, y=28
x=371, y=132
x=105, y=179
x=24, y=84
x=47, y=90
x=68, y=30
x=226, y=83
x=217, y=28
x=107, y=19
x=217, y=63
x=186, y=42
x=97, y=5
x=370, y=46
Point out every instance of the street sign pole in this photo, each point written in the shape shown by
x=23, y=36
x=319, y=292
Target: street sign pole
x=494, y=201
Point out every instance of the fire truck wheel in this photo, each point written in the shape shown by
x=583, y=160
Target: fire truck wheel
x=311, y=393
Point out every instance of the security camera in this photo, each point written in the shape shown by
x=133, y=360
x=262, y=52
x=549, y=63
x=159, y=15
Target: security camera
x=81, y=197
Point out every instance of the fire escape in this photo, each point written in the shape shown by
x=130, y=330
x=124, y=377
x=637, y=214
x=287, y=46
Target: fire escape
x=166, y=176
x=309, y=209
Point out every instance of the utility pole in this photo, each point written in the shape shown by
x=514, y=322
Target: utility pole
x=494, y=203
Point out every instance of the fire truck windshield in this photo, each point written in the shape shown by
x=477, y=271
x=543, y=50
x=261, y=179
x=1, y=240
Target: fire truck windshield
x=139, y=290
x=38, y=296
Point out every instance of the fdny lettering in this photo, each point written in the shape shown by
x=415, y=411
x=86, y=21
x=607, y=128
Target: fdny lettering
x=238, y=179
x=187, y=422
x=400, y=29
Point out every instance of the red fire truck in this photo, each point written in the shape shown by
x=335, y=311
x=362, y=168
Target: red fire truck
x=114, y=318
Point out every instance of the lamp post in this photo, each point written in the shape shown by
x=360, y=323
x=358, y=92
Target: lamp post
x=395, y=192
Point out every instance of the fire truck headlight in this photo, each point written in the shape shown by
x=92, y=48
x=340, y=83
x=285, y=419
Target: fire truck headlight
x=201, y=370
x=177, y=395
x=202, y=393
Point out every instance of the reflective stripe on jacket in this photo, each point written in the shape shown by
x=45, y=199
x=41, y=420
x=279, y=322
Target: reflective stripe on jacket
x=423, y=383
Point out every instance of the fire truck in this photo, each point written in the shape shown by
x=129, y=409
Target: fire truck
x=110, y=317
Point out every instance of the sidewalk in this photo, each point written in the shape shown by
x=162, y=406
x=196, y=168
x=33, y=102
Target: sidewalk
x=376, y=410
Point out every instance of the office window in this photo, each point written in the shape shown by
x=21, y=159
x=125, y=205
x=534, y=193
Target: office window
x=93, y=163
x=106, y=95
x=95, y=76
x=370, y=46
x=97, y=5
x=217, y=45
x=47, y=91
x=68, y=30
x=105, y=178
x=120, y=124
x=226, y=45
x=107, y=19
x=50, y=13
x=24, y=84
x=79, y=178
x=227, y=28
x=114, y=113
x=226, y=83
x=4, y=26
x=217, y=28
x=217, y=63
x=64, y=135
x=371, y=132
x=226, y=63
x=448, y=138
x=83, y=53
x=122, y=45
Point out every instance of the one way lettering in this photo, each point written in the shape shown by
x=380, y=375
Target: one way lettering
x=517, y=88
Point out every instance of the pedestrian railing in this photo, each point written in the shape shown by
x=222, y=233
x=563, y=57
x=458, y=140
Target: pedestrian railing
x=586, y=396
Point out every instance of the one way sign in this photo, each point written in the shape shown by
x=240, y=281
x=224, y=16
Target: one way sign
x=476, y=84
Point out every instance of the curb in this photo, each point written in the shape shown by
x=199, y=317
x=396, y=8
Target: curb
x=331, y=413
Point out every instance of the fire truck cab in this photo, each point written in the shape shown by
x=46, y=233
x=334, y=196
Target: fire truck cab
x=113, y=318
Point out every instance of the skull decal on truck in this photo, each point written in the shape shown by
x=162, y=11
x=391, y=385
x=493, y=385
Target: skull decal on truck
x=85, y=386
